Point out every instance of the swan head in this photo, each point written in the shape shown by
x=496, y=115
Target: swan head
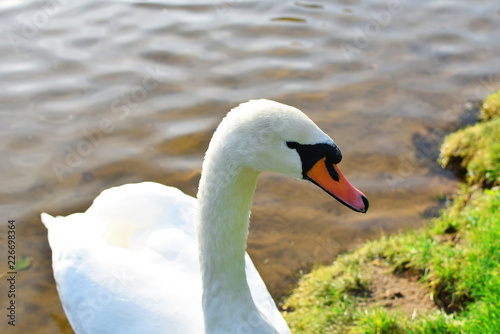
x=264, y=135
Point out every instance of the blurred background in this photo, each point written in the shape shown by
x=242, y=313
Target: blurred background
x=96, y=94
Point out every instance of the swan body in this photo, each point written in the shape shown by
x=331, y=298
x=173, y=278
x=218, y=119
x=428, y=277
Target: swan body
x=146, y=258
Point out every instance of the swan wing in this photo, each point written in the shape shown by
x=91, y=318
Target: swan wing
x=129, y=264
x=262, y=298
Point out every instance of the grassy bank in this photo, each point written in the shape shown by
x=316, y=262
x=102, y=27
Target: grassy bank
x=444, y=278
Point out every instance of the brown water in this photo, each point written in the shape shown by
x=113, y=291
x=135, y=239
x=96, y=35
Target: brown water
x=97, y=94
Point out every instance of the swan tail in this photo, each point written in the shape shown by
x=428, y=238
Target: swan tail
x=48, y=220
x=67, y=231
x=53, y=225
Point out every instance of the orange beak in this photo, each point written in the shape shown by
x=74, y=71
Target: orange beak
x=329, y=177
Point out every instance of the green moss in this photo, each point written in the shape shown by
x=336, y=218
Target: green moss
x=461, y=275
x=325, y=300
x=457, y=257
x=475, y=150
x=491, y=107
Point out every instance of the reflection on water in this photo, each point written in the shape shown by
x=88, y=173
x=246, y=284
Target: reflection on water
x=97, y=94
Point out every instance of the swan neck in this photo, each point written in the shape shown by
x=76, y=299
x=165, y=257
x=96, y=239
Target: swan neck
x=225, y=198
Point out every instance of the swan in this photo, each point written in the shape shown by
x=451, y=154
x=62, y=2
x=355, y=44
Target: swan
x=146, y=258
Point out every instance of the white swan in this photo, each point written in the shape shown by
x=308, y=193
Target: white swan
x=133, y=263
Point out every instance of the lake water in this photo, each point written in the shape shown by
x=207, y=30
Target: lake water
x=97, y=94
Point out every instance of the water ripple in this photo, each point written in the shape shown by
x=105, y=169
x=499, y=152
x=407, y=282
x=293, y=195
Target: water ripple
x=126, y=91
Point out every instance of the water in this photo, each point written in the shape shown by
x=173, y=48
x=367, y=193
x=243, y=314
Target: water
x=97, y=94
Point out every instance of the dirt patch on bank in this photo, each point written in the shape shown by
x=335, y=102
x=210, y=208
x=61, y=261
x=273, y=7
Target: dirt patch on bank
x=399, y=291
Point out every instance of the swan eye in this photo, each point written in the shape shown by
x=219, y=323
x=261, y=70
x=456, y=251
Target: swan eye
x=292, y=144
